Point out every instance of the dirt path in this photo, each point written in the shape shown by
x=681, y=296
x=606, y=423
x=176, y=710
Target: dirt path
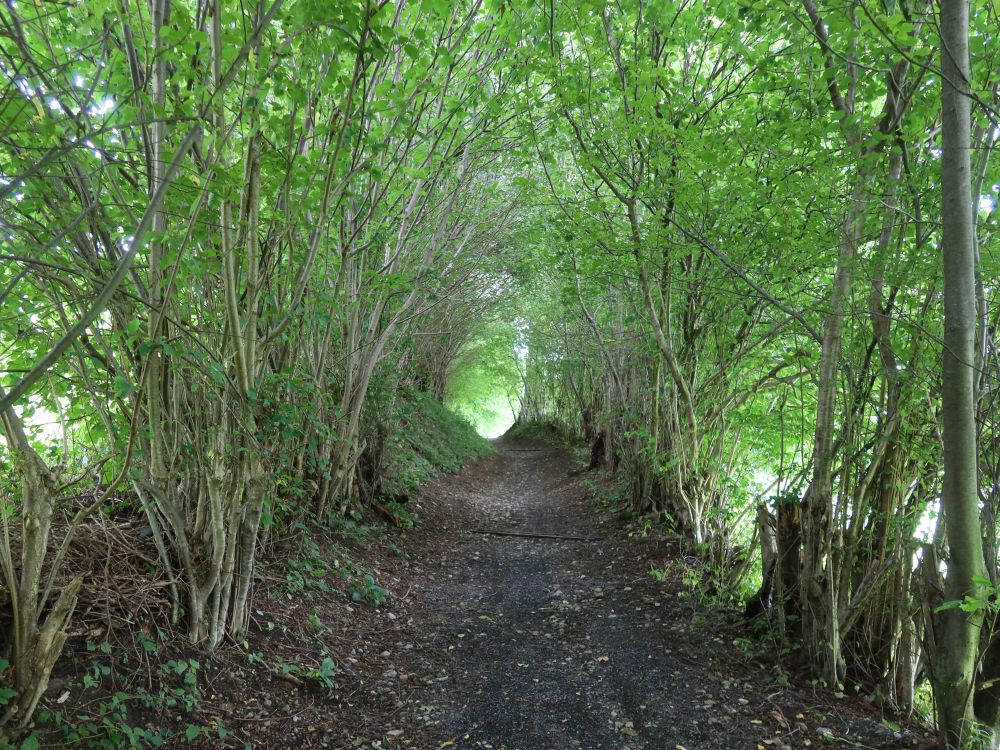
x=529, y=644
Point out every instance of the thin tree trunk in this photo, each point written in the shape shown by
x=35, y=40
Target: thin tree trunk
x=818, y=590
x=958, y=631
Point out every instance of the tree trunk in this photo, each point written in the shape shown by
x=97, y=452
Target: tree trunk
x=817, y=590
x=786, y=582
x=38, y=633
x=760, y=602
x=958, y=631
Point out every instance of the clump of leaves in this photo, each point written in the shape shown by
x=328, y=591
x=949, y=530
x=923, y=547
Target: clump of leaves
x=107, y=724
x=351, y=529
x=607, y=494
x=369, y=592
x=403, y=516
x=307, y=570
x=179, y=685
x=7, y=694
x=322, y=674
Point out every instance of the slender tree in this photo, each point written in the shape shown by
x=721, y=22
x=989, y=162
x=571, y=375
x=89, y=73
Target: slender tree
x=958, y=627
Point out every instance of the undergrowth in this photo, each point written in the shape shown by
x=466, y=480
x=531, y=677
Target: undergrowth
x=423, y=438
x=142, y=690
x=426, y=438
x=609, y=492
x=539, y=430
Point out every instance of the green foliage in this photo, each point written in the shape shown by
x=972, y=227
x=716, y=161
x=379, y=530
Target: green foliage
x=985, y=599
x=591, y=217
x=307, y=570
x=353, y=530
x=538, y=429
x=369, y=592
x=404, y=517
x=426, y=438
x=6, y=694
x=323, y=674
x=610, y=494
x=178, y=687
x=107, y=723
x=316, y=623
x=484, y=380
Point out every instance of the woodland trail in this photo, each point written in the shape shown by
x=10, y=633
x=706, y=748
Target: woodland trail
x=526, y=644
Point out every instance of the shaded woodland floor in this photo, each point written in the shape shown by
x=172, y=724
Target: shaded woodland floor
x=491, y=641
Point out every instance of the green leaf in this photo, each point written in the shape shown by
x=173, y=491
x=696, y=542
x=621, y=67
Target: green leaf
x=122, y=386
x=192, y=732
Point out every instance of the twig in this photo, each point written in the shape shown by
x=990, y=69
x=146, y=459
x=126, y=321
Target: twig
x=569, y=537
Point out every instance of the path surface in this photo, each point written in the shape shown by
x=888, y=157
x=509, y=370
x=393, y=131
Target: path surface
x=531, y=644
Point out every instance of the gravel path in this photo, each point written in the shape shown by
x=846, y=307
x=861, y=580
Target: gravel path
x=533, y=643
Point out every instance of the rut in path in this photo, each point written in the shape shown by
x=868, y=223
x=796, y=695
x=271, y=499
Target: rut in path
x=537, y=643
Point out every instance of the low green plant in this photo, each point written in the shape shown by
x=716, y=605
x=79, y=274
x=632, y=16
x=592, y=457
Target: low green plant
x=923, y=701
x=178, y=686
x=748, y=646
x=323, y=674
x=608, y=493
x=691, y=576
x=369, y=592
x=106, y=723
x=316, y=623
x=642, y=527
x=662, y=575
x=426, y=438
x=7, y=694
x=539, y=430
x=106, y=726
x=404, y=517
x=306, y=571
x=98, y=671
x=352, y=529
